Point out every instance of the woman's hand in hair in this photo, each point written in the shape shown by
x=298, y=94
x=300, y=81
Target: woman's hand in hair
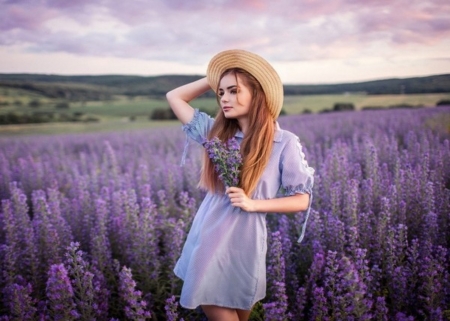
x=180, y=97
x=239, y=199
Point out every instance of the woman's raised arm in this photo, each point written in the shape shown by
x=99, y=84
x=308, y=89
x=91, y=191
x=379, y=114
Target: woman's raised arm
x=180, y=97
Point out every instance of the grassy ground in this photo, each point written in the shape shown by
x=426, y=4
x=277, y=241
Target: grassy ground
x=123, y=113
x=103, y=126
x=315, y=103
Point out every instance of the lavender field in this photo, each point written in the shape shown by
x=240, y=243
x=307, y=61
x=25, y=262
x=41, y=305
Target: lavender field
x=92, y=224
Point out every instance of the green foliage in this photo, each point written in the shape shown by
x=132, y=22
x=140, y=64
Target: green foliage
x=404, y=106
x=14, y=118
x=91, y=119
x=447, y=314
x=162, y=114
x=34, y=103
x=62, y=105
x=416, y=85
x=76, y=88
x=70, y=91
x=209, y=111
x=343, y=107
x=325, y=110
x=257, y=313
x=372, y=107
x=110, y=97
x=443, y=102
x=10, y=118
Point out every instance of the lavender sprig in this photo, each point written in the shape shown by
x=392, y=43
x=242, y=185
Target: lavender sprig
x=60, y=294
x=226, y=158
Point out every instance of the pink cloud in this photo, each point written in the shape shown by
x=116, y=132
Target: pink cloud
x=24, y=17
x=193, y=30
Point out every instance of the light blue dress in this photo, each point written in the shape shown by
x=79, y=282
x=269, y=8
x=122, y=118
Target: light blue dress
x=223, y=261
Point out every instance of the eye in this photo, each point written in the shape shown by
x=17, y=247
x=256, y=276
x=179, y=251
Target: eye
x=233, y=91
x=220, y=93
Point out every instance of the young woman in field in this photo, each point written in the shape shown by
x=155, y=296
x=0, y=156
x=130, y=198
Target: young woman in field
x=223, y=262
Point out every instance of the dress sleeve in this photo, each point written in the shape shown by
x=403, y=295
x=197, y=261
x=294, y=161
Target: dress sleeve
x=297, y=177
x=197, y=129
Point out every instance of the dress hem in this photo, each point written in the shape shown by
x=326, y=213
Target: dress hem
x=215, y=303
x=221, y=305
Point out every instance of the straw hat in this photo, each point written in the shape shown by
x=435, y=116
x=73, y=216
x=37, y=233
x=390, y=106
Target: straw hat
x=255, y=65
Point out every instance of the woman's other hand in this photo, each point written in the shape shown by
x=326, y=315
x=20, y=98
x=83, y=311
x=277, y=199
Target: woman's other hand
x=239, y=199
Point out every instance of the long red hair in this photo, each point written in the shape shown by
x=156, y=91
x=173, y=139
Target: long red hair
x=256, y=146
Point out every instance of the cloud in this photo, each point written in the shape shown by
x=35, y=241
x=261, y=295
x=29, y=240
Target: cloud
x=191, y=31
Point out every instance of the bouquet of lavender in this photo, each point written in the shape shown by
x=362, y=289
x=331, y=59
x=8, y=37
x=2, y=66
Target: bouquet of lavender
x=226, y=158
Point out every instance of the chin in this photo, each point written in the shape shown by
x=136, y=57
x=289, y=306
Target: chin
x=227, y=115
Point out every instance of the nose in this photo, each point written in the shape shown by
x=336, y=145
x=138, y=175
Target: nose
x=224, y=97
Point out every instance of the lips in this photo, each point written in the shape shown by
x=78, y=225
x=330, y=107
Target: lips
x=226, y=108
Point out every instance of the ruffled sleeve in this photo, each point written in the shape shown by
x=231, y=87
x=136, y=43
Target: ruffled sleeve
x=297, y=177
x=197, y=129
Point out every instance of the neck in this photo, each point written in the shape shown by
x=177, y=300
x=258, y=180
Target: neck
x=243, y=125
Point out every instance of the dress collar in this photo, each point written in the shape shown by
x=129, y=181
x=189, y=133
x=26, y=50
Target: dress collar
x=277, y=137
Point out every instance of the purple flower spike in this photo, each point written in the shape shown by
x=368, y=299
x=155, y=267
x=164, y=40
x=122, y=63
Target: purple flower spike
x=135, y=306
x=226, y=158
x=171, y=308
x=20, y=302
x=60, y=294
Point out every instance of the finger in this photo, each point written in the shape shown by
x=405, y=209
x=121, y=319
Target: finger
x=228, y=190
x=235, y=204
x=234, y=201
x=240, y=193
x=234, y=189
x=235, y=196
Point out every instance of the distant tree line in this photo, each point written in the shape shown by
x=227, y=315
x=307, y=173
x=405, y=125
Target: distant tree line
x=62, y=91
x=13, y=118
x=103, y=87
x=351, y=107
x=417, y=85
x=36, y=103
x=168, y=114
x=443, y=102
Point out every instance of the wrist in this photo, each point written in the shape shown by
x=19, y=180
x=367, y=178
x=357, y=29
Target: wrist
x=255, y=205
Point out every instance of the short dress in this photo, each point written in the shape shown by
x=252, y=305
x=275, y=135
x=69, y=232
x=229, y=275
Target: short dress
x=223, y=261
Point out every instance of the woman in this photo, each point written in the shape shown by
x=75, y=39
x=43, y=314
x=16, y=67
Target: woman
x=223, y=260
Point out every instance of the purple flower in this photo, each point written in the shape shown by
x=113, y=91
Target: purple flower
x=381, y=311
x=19, y=301
x=319, y=309
x=171, y=309
x=135, y=306
x=276, y=308
x=60, y=294
x=226, y=158
x=86, y=287
x=382, y=208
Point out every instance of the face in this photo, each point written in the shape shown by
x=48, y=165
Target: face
x=235, y=97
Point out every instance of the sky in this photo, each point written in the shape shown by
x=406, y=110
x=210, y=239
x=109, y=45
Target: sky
x=307, y=41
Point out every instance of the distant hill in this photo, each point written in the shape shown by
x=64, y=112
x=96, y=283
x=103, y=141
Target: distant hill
x=103, y=87
x=416, y=85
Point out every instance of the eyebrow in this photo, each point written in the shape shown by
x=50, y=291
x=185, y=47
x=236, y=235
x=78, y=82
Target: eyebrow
x=229, y=87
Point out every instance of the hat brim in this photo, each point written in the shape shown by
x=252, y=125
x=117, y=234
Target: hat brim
x=257, y=66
